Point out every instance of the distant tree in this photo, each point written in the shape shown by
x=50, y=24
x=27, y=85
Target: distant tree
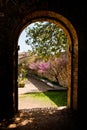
x=46, y=39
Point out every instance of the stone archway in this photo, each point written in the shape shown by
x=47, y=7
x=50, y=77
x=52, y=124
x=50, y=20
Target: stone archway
x=64, y=23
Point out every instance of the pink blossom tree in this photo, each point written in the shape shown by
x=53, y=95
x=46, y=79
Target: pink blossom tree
x=50, y=69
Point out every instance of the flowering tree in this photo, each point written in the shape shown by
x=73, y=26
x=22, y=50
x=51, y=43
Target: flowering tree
x=50, y=69
x=39, y=67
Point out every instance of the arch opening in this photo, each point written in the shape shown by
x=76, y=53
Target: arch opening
x=46, y=60
x=59, y=20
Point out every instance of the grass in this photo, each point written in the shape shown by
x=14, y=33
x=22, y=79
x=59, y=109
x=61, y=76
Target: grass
x=55, y=98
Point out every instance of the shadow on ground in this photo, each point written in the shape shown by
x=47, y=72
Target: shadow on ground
x=43, y=119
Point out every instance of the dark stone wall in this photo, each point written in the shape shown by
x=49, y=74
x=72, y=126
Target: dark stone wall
x=11, y=14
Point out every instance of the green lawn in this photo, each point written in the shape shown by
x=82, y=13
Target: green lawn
x=55, y=98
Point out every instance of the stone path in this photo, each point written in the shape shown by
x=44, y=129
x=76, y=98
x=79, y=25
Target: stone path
x=36, y=85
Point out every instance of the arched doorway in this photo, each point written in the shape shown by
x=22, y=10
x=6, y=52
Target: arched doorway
x=61, y=21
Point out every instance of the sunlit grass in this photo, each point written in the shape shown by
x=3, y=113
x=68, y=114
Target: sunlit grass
x=57, y=98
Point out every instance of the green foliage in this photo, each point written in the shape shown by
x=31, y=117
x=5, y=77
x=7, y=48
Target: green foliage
x=21, y=83
x=21, y=75
x=46, y=39
x=22, y=70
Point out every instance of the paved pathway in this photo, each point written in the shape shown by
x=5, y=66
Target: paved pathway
x=36, y=85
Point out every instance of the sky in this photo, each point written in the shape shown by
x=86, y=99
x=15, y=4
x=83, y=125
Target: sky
x=21, y=42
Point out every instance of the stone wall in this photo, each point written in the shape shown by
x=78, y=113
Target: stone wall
x=13, y=18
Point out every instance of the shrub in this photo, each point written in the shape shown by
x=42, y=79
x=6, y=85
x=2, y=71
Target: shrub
x=21, y=83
